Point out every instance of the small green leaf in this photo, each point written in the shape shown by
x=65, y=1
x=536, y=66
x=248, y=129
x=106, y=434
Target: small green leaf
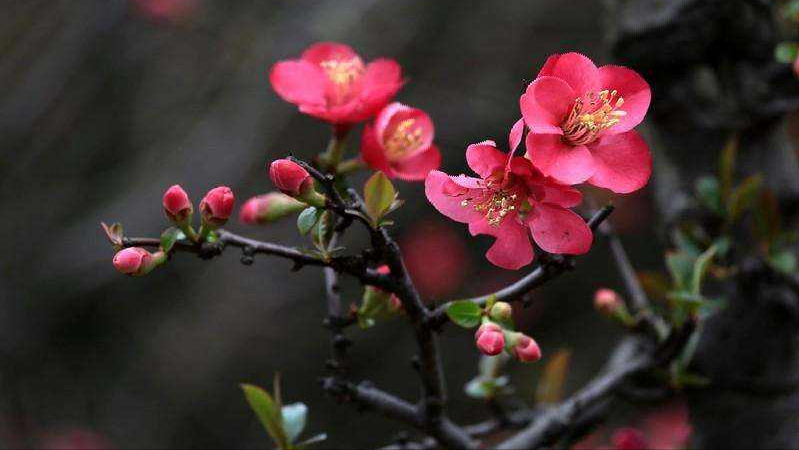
x=375, y=305
x=784, y=261
x=685, y=243
x=379, y=194
x=743, y=197
x=681, y=268
x=465, y=313
x=169, y=237
x=323, y=231
x=311, y=441
x=268, y=413
x=308, y=218
x=786, y=52
x=294, y=419
x=701, y=266
x=709, y=193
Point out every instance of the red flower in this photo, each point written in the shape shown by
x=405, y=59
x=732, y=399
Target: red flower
x=290, y=177
x=217, y=205
x=400, y=143
x=581, y=119
x=509, y=201
x=490, y=339
x=331, y=82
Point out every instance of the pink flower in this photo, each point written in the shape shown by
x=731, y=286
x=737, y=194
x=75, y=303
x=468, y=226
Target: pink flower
x=400, y=143
x=435, y=244
x=332, y=83
x=166, y=10
x=289, y=176
x=132, y=260
x=177, y=206
x=629, y=439
x=268, y=208
x=581, y=119
x=490, y=339
x=607, y=301
x=510, y=201
x=527, y=349
x=217, y=205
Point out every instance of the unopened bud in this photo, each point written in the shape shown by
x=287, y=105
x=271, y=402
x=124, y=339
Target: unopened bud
x=501, y=312
x=292, y=179
x=526, y=349
x=490, y=339
x=268, y=208
x=217, y=206
x=137, y=261
x=177, y=206
x=607, y=301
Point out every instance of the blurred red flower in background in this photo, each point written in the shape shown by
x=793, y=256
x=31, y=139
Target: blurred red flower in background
x=166, y=10
x=436, y=258
x=666, y=428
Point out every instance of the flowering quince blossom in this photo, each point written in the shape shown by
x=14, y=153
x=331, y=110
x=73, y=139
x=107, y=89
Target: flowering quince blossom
x=581, y=121
x=177, y=206
x=217, y=205
x=331, y=82
x=510, y=201
x=400, y=143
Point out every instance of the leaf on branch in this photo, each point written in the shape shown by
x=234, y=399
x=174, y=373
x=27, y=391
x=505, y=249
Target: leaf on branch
x=380, y=197
x=701, y=266
x=322, y=232
x=743, y=197
x=465, y=313
x=550, y=387
x=681, y=268
x=709, y=193
x=308, y=218
x=114, y=233
x=268, y=412
x=170, y=237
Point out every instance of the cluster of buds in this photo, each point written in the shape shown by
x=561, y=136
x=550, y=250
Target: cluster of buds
x=293, y=180
x=492, y=337
x=215, y=209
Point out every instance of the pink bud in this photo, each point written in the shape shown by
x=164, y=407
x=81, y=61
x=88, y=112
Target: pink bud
x=289, y=176
x=217, y=205
x=629, y=439
x=490, y=339
x=269, y=207
x=527, y=350
x=177, y=205
x=132, y=260
x=607, y=301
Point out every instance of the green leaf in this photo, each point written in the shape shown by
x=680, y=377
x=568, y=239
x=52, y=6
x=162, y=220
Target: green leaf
x=727, y=167
x=323, y=231
x=465, y=313
x=685, y=243
x=482, y=388
x=268, y=413
x=791, y=11
x=709, y=193
x=786, y=52
x=169, y=237
x=375, y=305
x=701, y=266
x=681, y=268
x=308, y=218
x=311, y=441
x=294, y=419
x=743, y=197
x=784, y=261
x=379, y=195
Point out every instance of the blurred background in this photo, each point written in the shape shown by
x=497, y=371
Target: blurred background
x=106, y=103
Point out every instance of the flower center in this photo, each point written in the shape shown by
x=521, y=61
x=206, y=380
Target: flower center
x=344, y=74
x=591, y=115
x=495, y=202
x=405, y=138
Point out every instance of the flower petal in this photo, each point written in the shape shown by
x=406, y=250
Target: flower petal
x=299, y=82
x=515, y=136
x=417, y=166
x=446, y=196
x=372, y=151
x=485, y=159
x=512, y=249
x=382, y=80
x=566, y=163
x=559, y=230
x=546, y=104
x=561, y=194
x=575, y=69
x=633, y=89
x=328, y=51
x=623, y=162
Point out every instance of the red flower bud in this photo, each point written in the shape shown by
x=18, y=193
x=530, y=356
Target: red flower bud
x=217, y=206
x=177, y=206
x=607, y=301
x=132, y=260
x=490, y=339
x=268, y=208
x=527, y=350
x=289, y=177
